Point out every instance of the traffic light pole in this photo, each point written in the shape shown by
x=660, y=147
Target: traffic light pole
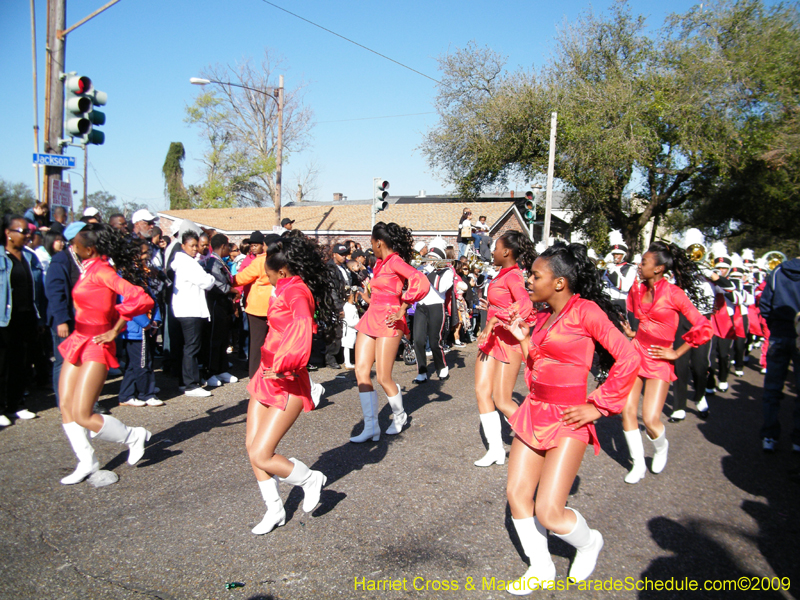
x=548, y=206
x=54, y=89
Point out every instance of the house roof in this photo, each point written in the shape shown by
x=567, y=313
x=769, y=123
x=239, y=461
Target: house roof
x=344, y=216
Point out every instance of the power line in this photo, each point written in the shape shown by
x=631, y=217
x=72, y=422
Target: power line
x=372, y=118
x=352, y=42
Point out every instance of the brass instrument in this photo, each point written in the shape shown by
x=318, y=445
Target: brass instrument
x=773, y=258
x=600, y=264
x=696, y=252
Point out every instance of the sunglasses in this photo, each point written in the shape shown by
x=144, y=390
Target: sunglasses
x=25, y=232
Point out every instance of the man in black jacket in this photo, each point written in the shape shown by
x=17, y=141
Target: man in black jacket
x=780, y=305
x=337, y=264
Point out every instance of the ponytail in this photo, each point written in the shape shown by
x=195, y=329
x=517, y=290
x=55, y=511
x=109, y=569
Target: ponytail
x=685, y=271
x=522, y=249
x=397, y=238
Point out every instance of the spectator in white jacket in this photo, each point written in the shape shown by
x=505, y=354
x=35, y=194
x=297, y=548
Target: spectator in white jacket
x=190, y=309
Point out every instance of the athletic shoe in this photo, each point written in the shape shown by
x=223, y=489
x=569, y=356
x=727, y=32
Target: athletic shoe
x=154, y=402
x=197, y=392
x=722, y=386
x=227, y=378
x=739, y=373
x=25, y=414
x=133, y=402
x=458, y=343
x=420, y=379
x=429, y=353
x=769, y=444
x=763, y=370
x=4, y=421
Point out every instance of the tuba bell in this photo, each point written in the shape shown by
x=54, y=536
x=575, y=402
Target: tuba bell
x=773, y=258
x=696, y=252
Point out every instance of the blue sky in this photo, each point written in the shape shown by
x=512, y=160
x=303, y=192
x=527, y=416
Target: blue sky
x=143, y=52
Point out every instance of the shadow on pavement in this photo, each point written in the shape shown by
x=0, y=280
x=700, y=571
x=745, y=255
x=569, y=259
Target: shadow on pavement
x=696, y=556
x=733, y=424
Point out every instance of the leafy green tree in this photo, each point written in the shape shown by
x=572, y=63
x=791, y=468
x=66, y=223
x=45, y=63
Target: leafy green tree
x=173, y=177
x=15, y=198
x=646, y=125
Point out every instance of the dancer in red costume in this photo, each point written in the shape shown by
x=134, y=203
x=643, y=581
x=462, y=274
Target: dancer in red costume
x=384, y=324
x=281, y=389
x=500, y=356
x=555, y=422
x=657, y=303
x=90, y=351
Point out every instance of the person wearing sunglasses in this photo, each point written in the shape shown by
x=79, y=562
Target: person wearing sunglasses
x=21, y=294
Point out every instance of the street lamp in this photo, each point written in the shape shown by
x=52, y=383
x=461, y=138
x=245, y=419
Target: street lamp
x=277, y=95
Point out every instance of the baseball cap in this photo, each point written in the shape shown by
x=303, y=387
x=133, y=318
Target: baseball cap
x=142, y=215
x=286, y=221
x=341, y=249
x=91, y=211
x=72, y=230
x=357, y=254
x=256, y=238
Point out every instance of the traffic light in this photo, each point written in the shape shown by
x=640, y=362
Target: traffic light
x=530, y=212
x=380, y=192
x=81, y=98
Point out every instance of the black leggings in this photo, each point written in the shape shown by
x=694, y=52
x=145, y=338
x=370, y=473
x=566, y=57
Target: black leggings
x=428, y=324
x=258, y=333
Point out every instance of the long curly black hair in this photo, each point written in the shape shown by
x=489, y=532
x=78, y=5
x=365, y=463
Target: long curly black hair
x=572, y=263
x=124, y=251
x=522, y=249
x=397, y=238
x=685, y=272
x=302, y=256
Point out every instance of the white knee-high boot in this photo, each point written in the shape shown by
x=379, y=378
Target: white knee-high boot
x=135, y=438
x=636, y=448
x=310, y=481
x=400, y=417
x=660, y=457
x=588, y=542
x=533, y=537
x=369, y=406
x=494, y=435
x=275, y=515
x=87, y=463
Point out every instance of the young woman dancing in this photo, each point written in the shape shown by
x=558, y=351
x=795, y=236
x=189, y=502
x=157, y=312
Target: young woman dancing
x=281, y=389
x=500, y=356
x=90, y=350
x=383, y=325
x=554, y=424
x=657, y=303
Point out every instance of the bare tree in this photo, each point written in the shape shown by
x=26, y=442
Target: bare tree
x=241, y=129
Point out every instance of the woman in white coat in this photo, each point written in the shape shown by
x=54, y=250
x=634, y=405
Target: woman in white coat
x=190, y=308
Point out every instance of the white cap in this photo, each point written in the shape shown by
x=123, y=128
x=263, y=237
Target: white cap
x=91, y=211
x=419, y=246
x=142, y=215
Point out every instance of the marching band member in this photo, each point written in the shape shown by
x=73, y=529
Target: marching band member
x=723, y=320
x=429, y=317
x=656, y=303
x=555, y=422
x=620, y=275
x=383, y=325
x=693, y=364
x=281, y=389
x=500, y=356
x=743, y=299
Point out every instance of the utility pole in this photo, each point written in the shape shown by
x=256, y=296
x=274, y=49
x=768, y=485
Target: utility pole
x=35, y=103
x=548, y=201
x=54, y=88
x=85, y=178
x=279, y=162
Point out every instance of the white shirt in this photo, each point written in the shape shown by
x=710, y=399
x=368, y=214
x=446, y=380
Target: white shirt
x=481, y=226
x=618, y=284
x=191, y=281
x=442, y=284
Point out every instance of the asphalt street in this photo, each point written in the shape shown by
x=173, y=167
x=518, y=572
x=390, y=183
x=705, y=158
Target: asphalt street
x=410, y=510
